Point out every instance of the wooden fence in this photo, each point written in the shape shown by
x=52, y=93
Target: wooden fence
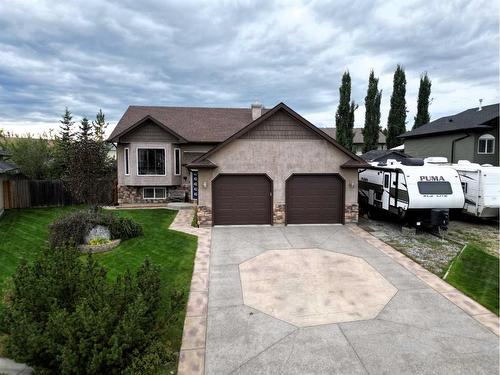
x=49, y=193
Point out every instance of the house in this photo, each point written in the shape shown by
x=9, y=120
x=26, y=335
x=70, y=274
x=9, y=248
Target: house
x=384, y=155
x=469, y=135
x=357, y=142
x=241, y=165
x=7, y=169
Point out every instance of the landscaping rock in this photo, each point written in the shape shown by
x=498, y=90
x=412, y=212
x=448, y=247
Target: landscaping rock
x=99, y=231
x=99, y=248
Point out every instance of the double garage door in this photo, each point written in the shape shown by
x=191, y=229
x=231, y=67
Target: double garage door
x=247, y=199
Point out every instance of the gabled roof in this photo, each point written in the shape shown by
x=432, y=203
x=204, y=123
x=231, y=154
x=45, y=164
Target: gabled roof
x=358, y=135
x=472, y=119
x=354, y=162
x=193, y=124
x=375, y=155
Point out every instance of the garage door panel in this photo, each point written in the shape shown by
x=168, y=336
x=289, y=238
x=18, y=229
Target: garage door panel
x=314, y=199
x=241, y=199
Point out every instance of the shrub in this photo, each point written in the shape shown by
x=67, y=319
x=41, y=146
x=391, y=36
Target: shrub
x=71, y=229
x=63, y=316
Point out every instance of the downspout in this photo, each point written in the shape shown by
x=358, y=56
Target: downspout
x=453, y=146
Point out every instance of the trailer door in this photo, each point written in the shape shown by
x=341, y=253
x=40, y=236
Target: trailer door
x=387, y=189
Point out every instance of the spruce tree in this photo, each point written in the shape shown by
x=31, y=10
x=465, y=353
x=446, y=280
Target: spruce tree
x=99, y=126
x=396, y=123
x=344, y=118
x=372, y=114
x=85, y=130
x=63, y=143
x=424, y=92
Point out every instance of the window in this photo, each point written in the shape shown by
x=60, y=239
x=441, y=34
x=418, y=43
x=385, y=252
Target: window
x=150, y=161
x=126, y=156
x=464, y=187
x=154, y=193
x=434, y=187
x=177, y=161
x=486, y=144
x=386, y=181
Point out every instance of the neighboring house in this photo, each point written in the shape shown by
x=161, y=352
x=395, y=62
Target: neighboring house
x=469, y=135
x=7, y=169
x=383, y=155
x=241, y=165
x=357, y=142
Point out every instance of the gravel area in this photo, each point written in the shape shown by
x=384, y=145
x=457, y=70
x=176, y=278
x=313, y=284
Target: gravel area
x=431, y=252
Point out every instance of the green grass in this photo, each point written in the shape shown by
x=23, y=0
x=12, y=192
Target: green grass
x=24, y=232
x=476, y=273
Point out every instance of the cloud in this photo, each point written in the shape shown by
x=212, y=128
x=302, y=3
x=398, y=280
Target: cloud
x=100, y=54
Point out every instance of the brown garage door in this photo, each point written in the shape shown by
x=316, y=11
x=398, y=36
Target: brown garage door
x=314, y=199
x=241, y=199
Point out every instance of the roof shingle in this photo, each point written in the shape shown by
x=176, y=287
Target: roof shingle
x=358, y=135
x=471, y=119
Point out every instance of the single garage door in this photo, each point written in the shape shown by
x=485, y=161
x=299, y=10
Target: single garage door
x=241, y=199
x=314, y=199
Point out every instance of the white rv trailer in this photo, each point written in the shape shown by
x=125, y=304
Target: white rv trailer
x=480, y=183
x=417, y=193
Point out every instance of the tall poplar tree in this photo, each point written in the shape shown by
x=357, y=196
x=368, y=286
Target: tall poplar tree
x=372, y=114
x=344, y=118
x=396, y=123
x=424, y=92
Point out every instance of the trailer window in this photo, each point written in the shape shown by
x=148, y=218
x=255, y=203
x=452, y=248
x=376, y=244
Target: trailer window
x=434, y=187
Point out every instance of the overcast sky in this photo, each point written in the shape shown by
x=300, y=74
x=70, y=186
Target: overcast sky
x=94, y=54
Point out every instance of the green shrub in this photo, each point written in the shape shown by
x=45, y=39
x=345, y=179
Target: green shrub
x=63, y=316
x=71, y=229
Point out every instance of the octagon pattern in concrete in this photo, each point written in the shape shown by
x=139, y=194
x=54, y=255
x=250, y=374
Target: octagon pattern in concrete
x=419, y=331
x=308, y=287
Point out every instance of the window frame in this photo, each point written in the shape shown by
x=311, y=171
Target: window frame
x=164, y=160
x=435, y=183
x=154, y=192
x=177, y=161
x=486, y=138
x=126, y=161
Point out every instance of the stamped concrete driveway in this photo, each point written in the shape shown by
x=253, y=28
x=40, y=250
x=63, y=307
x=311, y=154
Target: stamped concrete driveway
x=321, y=300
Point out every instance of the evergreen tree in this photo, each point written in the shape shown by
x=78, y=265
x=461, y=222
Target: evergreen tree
x=372, y=114
x=396, y=123
x=99, y=126
x=344, y=118
x=66, y=128
x=424, y=92
x=85, y=130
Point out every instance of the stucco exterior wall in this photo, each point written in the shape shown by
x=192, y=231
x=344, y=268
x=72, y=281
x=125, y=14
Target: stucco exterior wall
x=279, y=160
x=134, y=179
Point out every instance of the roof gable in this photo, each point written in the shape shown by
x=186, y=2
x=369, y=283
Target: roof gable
x=300, y=121
x=194, y=124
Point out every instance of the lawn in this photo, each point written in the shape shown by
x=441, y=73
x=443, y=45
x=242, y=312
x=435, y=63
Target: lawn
x=24, y=232
x=476, y=273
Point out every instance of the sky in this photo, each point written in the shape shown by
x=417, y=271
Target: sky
x=87, y=55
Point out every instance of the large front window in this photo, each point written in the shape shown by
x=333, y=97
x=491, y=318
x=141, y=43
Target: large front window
x=434, y=187
x=151, y=161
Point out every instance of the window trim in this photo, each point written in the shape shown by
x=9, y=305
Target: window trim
x=126, y=161
x=486, y=138
x=154, y=192
x=177, y=159
x=151, y=148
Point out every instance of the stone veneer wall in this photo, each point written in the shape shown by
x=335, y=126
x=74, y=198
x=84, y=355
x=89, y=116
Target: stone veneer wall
x=351, y=213
x=204, y=214
x=133, y=194
x=279, y=214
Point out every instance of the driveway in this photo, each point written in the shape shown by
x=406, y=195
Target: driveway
x=322, y=300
